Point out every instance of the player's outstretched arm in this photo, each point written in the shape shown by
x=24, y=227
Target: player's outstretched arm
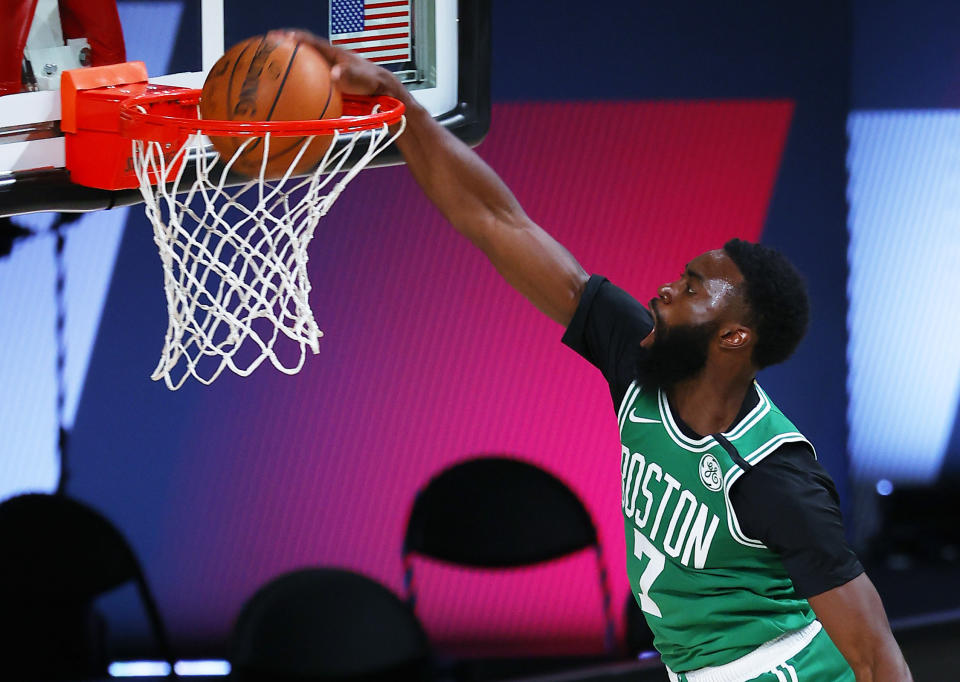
x=853, y=616
x=469, y=194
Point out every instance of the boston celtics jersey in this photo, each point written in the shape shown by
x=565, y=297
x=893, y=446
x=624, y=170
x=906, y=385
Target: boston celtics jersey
x=709, y=593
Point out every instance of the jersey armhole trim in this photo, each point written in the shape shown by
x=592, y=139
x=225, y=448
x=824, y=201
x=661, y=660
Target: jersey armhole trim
x=734, y=473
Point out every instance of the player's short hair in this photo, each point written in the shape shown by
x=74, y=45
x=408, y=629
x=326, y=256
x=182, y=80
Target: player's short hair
x=776, y=296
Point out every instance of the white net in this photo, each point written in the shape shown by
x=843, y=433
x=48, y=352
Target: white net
x=235, y=258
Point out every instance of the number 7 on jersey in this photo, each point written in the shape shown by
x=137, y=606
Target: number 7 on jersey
x=644, y=548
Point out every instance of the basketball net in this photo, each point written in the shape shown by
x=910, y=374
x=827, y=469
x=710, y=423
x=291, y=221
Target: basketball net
x=235, y=258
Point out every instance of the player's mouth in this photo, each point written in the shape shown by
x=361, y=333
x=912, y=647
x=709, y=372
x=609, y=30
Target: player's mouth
x=648, y=340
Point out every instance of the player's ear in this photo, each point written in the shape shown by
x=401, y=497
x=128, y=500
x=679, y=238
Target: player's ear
x=735, y=336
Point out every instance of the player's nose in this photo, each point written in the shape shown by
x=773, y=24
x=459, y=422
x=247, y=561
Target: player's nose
x=665, y=294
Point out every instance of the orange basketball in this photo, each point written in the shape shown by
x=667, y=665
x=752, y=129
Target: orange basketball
x=270, y=78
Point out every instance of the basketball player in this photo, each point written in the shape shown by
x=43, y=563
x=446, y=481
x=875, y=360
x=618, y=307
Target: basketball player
x=735, y=547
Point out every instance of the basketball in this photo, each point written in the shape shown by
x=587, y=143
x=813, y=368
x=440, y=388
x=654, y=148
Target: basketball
x=270, y=78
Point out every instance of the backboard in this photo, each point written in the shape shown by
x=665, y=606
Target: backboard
x=438, y=48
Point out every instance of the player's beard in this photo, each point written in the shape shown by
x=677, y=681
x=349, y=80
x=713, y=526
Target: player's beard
x=677, y=353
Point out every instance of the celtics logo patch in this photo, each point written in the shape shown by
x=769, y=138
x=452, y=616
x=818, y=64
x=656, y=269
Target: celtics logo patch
x=710, y=472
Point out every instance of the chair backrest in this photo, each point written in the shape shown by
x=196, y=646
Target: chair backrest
x=57, y=548
x=327, y=624
x=58, y=555
x=500, y=512
x=497, y=512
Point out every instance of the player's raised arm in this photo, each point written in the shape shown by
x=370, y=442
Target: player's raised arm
x=469, y=194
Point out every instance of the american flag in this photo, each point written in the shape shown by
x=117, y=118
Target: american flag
x=378, y=30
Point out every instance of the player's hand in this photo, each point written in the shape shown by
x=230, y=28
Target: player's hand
x=353, y=74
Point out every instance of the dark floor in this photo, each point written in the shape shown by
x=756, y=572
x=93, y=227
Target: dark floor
x=922, y=602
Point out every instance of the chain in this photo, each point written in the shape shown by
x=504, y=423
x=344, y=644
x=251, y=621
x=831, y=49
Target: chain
x=60, y=323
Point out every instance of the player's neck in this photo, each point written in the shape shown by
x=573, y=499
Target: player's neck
x=708, y=403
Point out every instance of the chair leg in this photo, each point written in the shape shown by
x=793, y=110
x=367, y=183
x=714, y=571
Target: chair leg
x=159, y=631
x=408, y=586
x=609, y=640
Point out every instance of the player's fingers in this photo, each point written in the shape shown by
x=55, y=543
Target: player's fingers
x=329, y=52
x=298, y=34
x=354, y=77
x=352, y=74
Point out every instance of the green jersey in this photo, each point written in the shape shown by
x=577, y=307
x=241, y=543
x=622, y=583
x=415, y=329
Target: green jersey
x=710, y=594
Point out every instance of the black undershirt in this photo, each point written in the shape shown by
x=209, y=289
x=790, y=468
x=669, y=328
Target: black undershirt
x=787, y=501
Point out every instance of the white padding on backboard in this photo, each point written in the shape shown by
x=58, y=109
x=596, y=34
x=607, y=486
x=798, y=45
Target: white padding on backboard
x=443, y=98
x=211, y=16
x=19, y=156
x=25, y=108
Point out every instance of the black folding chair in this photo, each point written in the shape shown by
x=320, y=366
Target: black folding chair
x=57, y=556
x=500, y=512
x=328, y=624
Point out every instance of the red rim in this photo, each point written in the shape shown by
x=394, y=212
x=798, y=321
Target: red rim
x=145, y=125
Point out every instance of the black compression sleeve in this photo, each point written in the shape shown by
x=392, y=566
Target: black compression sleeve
x=606, y=330
x=789, y=502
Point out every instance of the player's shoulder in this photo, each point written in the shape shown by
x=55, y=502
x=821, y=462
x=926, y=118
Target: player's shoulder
x=604, y=301
x=795, y=455
x=791, y=469
x=620, y=297
x=608, y=312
